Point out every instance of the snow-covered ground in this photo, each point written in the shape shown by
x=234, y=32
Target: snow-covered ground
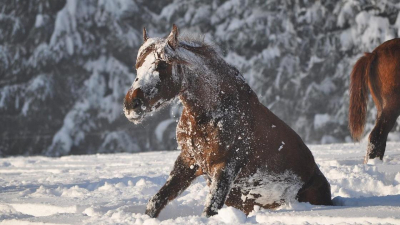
x=111, y=189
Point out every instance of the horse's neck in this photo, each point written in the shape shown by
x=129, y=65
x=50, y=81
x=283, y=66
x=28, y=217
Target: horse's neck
x=209, y=94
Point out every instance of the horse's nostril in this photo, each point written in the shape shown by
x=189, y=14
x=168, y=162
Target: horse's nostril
x=136, y=103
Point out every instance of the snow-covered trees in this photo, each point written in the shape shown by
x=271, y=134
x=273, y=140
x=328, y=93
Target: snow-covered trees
x=66, y=65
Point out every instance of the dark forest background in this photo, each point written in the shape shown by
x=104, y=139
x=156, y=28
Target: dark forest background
x=65, y=66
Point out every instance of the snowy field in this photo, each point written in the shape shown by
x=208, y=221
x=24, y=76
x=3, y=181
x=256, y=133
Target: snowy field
x=114, y=189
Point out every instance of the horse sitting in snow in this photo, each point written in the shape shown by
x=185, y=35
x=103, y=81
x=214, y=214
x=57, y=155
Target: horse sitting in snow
x=247, y=154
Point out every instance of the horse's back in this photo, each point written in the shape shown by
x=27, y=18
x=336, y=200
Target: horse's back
x=389, y=45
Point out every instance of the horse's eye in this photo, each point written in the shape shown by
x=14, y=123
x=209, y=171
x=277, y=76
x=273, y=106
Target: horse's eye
x=161, y=65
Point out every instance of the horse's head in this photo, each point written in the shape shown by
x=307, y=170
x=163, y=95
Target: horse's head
x=156, y=82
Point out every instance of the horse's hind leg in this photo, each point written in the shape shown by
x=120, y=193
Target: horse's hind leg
x=377, y=139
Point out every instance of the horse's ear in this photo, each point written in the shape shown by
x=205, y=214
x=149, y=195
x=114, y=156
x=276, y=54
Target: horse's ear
x=145, y=34
x=173, y=37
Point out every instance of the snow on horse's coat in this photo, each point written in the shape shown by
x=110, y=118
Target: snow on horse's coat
x=249, y=156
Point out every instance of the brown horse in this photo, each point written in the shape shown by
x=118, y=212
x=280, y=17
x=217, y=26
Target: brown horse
x=247, y=154
x=380, y=72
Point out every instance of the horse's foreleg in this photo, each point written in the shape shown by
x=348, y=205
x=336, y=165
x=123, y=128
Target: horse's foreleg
x=221, y=183
x=180, y=178
x=377, y=139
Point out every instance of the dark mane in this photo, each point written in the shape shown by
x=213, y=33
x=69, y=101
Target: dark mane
x=192, y=40
x=197, y=44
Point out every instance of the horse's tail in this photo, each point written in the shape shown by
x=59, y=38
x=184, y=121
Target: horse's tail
x=359, y=94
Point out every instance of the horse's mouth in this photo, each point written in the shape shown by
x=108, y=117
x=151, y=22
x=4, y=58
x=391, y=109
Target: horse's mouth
x=136, y=120
x=133, y=116
x=137, y=117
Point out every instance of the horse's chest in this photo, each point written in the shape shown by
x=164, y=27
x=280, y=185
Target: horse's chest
x=201, y=142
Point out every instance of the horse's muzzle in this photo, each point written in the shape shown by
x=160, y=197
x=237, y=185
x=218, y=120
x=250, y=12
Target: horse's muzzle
x=133, y=106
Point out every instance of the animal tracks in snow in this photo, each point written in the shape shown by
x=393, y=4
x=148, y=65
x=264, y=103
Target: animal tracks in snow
x=115, y=188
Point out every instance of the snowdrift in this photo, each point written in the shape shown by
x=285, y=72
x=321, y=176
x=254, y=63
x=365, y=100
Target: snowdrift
x=111, y=189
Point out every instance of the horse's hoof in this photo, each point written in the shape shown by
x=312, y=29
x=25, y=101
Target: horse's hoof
x=374, y=161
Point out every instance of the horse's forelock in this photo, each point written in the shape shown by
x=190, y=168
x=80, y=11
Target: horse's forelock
x=149, y=45
x=142, y=55
x=192, y=43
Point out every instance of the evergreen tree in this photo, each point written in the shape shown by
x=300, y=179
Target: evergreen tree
x=65, y=66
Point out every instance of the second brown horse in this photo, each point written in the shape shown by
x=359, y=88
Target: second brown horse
x=378, y=71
